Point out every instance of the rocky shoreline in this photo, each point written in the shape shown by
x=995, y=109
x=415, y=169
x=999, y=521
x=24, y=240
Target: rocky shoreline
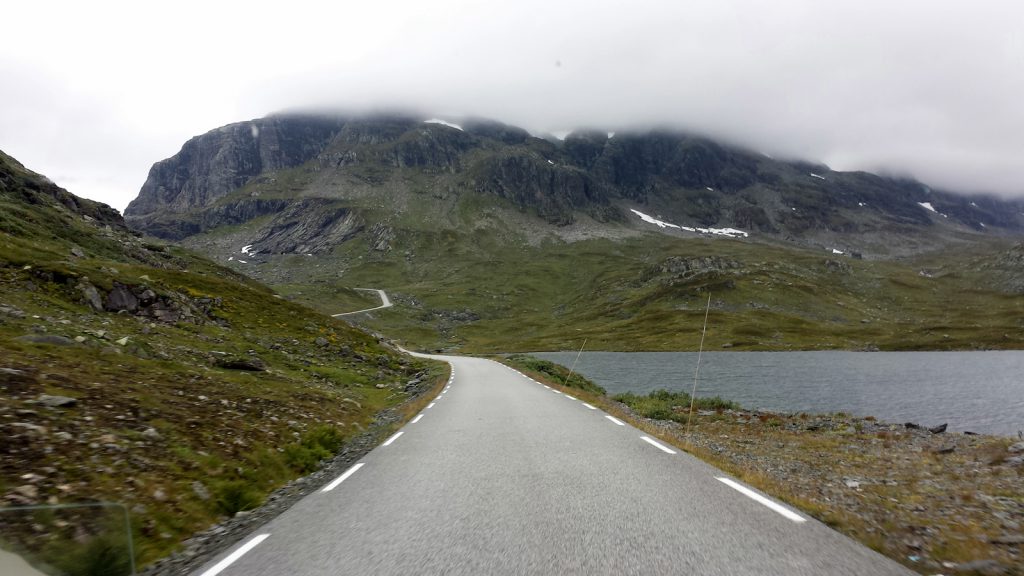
x=938, y=502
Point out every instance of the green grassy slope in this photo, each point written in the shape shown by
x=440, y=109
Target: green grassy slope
x=476, y=281
x=186, y=418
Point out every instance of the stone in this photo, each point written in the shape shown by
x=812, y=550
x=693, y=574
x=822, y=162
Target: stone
x=852, y=484
x=91, y=295
x=121, y=341
x=147, y=298
x=28, y=491
x=938, y=429
x=945, y=450
x=911, y=426
x=200, y=490
x=51, y=339
x=151, y=434
x=56, y=401
x=1016, y=448
x=159, y=495
x=77, y=252
x=121, y=298
x=321, y=341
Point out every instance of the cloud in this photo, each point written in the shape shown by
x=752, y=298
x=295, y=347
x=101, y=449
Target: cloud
x=919, y=87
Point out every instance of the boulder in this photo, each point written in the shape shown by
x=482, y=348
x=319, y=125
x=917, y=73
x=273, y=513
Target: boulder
x=121, y=298
x=248, y=364
x=938, y=429
x=56, y=401
x=91, y=295
x=51, y=339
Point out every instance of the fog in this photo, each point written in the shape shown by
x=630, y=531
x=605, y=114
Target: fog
x=94, y=94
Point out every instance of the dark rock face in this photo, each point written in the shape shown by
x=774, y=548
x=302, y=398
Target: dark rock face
x=307, y=227
x=211, y=165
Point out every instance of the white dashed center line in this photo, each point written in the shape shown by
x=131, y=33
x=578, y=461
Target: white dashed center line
x=657, y=445
x=416, y=419
x=342, y=478
x=615, y=420
x=219, y=566
x=761, y=499
x=392, y=439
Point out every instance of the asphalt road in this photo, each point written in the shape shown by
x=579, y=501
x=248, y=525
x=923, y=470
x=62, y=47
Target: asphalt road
x=501, y=475
x=385, y=302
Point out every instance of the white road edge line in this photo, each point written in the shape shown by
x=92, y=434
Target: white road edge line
x=657, y=445
x=757, y=497
x=416, y=419
x=393, y=438
x=548, y=387
x=615, y=420
x=570, y=397
x=219, y=566
x=556, y=391
x=429, y=406
x=589, y=406
x=342, y=478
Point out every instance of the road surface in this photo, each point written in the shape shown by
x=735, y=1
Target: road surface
x=502, y=475
x=385, y=302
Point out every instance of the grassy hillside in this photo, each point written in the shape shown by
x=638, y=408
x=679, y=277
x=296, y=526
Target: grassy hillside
x=485, y=284
x=146, y=375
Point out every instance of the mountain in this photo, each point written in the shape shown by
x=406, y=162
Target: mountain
x=240, y=172
x=141, y=373
x=491, y=239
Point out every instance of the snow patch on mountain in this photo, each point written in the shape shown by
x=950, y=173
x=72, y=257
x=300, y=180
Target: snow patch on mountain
x=443, y=123
x=729, y=232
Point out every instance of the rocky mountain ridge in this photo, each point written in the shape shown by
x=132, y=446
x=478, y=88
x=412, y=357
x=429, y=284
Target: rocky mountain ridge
x=243, y=171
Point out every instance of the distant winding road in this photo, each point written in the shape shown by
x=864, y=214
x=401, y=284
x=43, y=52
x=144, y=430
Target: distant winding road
x=385, y=302
x=501, y=474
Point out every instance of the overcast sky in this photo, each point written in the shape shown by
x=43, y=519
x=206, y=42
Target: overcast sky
x=94, y=92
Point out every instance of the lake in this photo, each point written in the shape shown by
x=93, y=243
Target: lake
x=976, y=391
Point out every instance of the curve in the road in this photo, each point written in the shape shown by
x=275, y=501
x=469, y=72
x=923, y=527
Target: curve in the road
x=385, y=302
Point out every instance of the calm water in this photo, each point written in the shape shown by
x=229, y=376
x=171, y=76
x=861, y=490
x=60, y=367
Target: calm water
x=976, y=391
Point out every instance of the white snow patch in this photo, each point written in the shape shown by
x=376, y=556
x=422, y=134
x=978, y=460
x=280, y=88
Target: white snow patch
x=443, y=123
x=767, y=155
x=308, y=254
x=928, y=206
x=550, y=162
x=611, y=134
x=973, y=204
x=730, y=232
x=793, y=209
x=982, y=224
x=652, y=220
x=255, y=131
x=834, y=251
x=243, y=261
x=561, y=134
x=245, y=249
x=231, y=258
x=861, y=204
x=709, y=188
x=818, y=176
